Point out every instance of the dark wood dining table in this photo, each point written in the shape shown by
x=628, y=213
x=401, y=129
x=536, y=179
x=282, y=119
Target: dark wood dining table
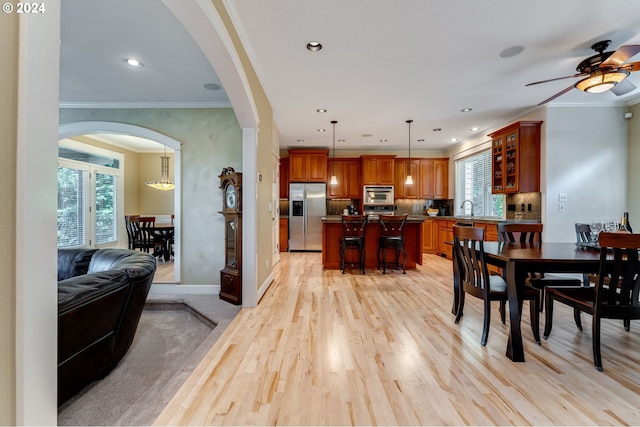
x=165, y=230
x=519, y=259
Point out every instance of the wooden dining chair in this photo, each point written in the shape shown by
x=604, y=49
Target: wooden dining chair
x=145, y=237
x=615, y=295
x=475, y=280
x=532, y=233
x=131, y=224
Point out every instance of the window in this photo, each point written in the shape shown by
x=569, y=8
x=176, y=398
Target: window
x=473, y=182
x=89, y=196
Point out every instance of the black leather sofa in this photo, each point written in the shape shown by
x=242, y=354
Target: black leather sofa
x=101, y=294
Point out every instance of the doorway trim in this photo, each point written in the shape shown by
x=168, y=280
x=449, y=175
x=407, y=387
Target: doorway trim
x=69, y=130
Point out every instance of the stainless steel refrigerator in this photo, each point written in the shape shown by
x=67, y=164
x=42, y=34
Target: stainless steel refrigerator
x=307, y=205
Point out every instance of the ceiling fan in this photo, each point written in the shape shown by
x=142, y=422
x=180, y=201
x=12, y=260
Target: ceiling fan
x=603, y=71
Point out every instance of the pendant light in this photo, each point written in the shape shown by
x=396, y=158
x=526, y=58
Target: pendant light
x=164, y=184
x=409, y=180
x=334, y=179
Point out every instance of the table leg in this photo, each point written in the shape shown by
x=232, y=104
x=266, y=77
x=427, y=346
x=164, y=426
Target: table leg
x=515, y=350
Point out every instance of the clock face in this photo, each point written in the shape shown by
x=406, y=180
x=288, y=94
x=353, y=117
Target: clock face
x=230, y=197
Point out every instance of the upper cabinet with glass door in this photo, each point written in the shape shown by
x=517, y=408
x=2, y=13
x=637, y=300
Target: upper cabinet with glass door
x=515, y=158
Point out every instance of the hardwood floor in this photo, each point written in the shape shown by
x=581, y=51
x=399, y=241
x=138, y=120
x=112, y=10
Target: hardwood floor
x=164, y=272
x=324, y=348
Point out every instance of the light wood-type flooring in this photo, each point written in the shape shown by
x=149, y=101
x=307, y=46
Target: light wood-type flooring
x=324, y=348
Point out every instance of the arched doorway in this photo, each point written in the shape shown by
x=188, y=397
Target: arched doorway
x=74, y=129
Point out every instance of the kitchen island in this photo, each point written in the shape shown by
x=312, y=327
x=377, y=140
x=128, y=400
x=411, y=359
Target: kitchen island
x=332, y=233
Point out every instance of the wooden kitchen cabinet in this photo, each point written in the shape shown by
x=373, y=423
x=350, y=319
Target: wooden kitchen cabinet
x=377, y=169
x=348, y=174
x=284, y=178
x=402, y=168
x=433, y=179
x=429, y=236
x=308, y=165
x=284, y=235
x=445, y=234
x=515, y=158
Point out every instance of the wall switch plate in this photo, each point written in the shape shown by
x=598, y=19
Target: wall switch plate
x=563, y=197
x=529, y=207
x=561, y=207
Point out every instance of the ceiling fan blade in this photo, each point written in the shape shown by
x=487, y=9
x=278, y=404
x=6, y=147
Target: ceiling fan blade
x=623, y=87
x=562, y=92
x=557, y=78
x=631, y=66
x=621, y=55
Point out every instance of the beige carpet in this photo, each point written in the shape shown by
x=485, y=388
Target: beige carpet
x=173, y=335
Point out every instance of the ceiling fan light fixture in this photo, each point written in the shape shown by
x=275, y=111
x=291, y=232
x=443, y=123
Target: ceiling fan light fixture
x=601, y=81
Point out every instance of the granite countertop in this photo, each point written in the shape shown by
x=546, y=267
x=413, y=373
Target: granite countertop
x=414, y=219
x=484, y=219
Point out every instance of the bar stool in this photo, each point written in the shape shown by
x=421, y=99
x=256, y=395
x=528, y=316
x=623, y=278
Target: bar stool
x=392, y=237
x=354, y=227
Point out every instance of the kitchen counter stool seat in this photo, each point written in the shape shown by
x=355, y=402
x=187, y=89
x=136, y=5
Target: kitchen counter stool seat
x=392, y=237
x=353, y=227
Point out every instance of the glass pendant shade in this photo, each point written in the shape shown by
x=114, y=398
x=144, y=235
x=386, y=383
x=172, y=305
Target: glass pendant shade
x=409, y=180
x=334, y=179
x=164, y=184
x=601, y=81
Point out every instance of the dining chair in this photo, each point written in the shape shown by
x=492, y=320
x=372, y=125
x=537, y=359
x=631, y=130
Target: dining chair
x=392, y=237
x=353, y=227
x=146, y=238
x=583, y=235
x=468, y=244
x=130, y=223
x=615, y=294
x=532, y=233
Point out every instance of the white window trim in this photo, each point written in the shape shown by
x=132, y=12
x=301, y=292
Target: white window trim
x=71, y=144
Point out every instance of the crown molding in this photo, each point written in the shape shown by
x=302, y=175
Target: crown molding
x=92, y=105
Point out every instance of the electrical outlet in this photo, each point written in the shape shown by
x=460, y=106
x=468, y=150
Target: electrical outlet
x=563, y=197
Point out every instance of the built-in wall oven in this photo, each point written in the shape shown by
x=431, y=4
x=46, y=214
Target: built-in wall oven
x=378, y=200
x=378, y=195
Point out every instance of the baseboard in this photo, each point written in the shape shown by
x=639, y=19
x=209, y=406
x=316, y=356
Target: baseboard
x=265, y=285
x=173, y=289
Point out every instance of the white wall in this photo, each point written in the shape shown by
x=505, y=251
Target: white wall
x=633, y=195
x=585, y=156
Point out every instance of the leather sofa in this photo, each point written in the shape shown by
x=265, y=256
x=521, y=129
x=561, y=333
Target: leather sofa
x=101, y=294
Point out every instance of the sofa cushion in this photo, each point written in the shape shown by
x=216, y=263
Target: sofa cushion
x=136, y=264
x=73, y=262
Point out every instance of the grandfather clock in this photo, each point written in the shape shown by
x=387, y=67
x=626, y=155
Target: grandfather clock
x=231, y=274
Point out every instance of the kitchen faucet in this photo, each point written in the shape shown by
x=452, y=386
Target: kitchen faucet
x=462, y=205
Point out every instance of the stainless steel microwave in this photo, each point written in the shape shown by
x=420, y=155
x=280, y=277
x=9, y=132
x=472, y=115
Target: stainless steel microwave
x=378, y=194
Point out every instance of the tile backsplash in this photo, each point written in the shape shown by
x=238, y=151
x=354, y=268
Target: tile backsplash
x=517, y=206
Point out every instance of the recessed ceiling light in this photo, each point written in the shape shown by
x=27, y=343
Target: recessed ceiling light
x=300, y=140
x=474, y=129
x=211, y=86
x=437, y=129
x=466, y=110
x=384, y=140
x=421, y=140
x=321, y=110
x=365, y=135
x=342, y=140
x=453, y=140
x=133, y=62
x=322, y=130
x=511, y=51
x=314, y=46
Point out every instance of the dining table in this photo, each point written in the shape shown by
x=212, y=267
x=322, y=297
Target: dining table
x=165, y=230
x=519, y=259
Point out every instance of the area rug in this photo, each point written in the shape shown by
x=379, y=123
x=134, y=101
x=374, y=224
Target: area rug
x=172, y=337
